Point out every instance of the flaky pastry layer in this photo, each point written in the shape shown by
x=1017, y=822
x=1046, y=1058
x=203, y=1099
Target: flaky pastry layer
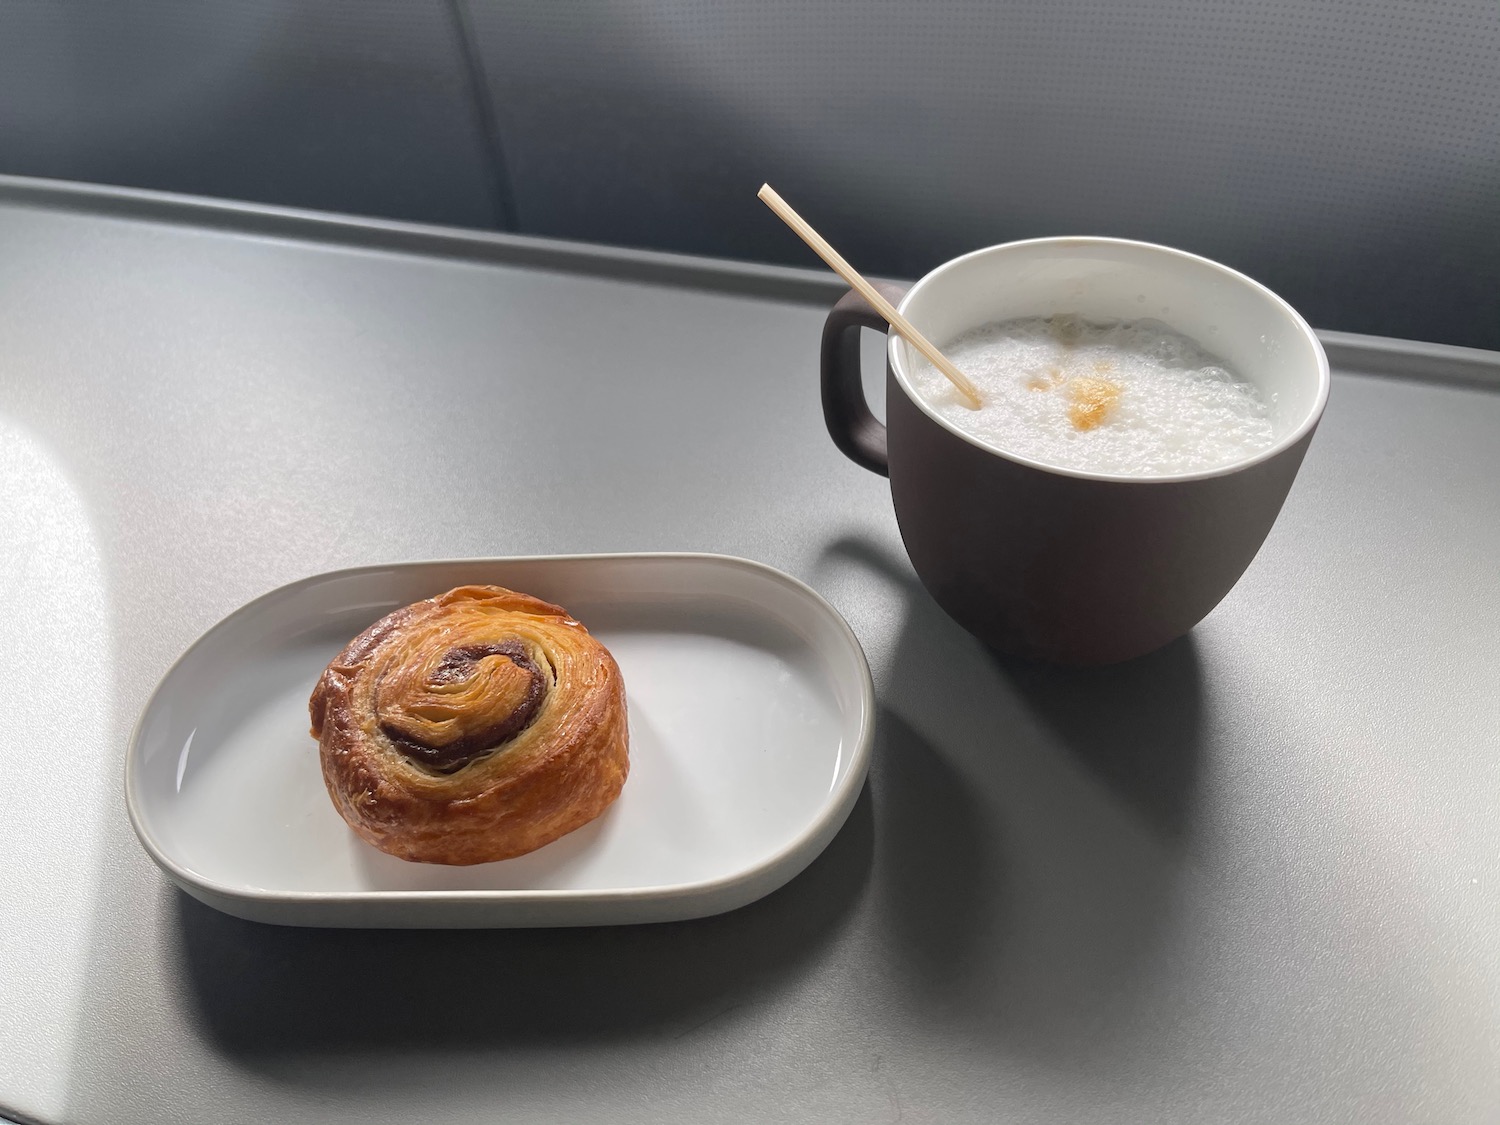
x=475, y=726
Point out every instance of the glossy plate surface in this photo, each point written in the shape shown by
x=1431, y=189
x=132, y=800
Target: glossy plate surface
x=751, y=718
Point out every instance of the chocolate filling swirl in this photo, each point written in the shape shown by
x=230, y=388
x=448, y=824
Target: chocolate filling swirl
x=428, y=724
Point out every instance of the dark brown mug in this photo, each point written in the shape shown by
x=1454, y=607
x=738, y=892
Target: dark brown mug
x=1076, y=568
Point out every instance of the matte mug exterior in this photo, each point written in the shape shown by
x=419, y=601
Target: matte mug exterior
x=1066, y=567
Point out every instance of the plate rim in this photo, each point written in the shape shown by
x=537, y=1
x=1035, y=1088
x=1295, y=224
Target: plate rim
x=834, y=808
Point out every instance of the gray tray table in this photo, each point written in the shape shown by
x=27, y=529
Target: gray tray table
x=1253, y=878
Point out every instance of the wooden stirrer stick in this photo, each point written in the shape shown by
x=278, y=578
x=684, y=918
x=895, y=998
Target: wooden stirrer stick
x=835, y=261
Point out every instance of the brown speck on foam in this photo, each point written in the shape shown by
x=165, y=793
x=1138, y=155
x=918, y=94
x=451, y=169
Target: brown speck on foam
x=1093, y=400
x=1045, y=381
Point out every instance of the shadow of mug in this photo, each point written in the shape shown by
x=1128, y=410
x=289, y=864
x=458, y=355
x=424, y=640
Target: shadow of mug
x=1062, y=565
x=1034, y=827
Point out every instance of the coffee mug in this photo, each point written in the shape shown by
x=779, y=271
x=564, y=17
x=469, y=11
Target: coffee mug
x=1054, y=564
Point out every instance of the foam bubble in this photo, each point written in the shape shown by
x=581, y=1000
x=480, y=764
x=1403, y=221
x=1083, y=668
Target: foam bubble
x=1131, y=397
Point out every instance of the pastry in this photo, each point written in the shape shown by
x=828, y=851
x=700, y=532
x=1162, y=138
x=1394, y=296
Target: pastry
x=470, y=727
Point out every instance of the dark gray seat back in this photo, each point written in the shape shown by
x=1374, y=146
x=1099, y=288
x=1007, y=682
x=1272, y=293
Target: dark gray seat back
x=1345, y=152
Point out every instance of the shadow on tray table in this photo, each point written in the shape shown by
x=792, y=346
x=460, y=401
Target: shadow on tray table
x=963, y=741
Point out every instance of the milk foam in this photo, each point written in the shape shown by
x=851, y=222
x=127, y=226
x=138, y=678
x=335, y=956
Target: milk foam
x=1129, y=397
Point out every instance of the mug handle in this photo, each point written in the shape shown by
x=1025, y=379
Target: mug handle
x=856, y=431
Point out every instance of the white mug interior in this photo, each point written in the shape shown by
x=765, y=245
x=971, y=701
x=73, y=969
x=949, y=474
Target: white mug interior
x=1257, y=335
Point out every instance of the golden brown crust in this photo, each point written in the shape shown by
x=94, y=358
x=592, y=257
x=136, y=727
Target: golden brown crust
x=437, y=682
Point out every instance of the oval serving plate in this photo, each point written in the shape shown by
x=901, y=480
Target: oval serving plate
x=751, y=719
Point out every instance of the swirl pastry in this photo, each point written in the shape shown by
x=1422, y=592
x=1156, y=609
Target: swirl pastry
x=474, y=726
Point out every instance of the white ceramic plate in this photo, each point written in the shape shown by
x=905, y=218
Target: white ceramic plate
x=751, y=717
